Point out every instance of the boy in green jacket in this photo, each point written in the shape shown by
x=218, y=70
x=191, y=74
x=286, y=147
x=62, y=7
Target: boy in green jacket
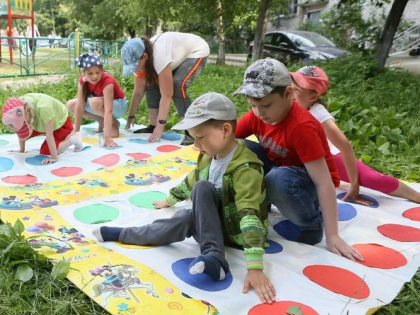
x=228, y=199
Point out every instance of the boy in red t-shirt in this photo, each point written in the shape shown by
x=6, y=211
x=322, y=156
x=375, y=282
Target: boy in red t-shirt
x=300, y=170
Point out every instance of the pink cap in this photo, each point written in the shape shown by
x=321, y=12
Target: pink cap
x=311, y=78
x=13, y=116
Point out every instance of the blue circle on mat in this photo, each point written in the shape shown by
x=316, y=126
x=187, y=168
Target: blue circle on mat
x=3, y=142
x=140, y=141
x=346, y=212
x=5, y=164
x=112, y=148
x=199, y=281
x=287, y=229
x=171, y=136
x=87, y=148
x=374, y=205
x=36, y=160
x=273, y=247
x=90, y=129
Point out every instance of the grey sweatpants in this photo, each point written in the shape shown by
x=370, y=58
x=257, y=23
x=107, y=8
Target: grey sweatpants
x=183, y=76
x=202, y=222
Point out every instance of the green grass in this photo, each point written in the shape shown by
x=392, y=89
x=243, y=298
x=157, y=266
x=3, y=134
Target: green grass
x=31, y=285
x=55, y=64
x=379, y=113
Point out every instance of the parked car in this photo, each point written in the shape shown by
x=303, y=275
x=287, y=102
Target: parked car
x=293, y=46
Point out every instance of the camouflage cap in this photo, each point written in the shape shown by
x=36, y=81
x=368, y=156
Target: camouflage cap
x=263, y=76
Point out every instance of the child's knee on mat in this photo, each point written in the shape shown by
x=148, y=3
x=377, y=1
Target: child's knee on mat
x=310, y=237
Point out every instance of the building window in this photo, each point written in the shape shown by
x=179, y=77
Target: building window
x=293, y=7
x=314, y=17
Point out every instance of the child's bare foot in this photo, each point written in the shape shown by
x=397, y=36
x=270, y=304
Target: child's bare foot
x=115, y=132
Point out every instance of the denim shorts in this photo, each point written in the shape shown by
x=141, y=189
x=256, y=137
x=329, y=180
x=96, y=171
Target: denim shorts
x=118, y=109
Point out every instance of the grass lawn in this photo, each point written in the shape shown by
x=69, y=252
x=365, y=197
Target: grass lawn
x=46, y=62
x=379, y=113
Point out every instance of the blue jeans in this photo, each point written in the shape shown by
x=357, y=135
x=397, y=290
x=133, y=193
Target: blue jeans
x=292, y=191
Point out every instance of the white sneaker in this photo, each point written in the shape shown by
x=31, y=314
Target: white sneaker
x=76, y=139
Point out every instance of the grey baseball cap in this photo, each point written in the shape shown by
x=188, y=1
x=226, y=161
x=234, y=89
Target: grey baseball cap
x=131, y=53
x=263, y=76
x=208, y=106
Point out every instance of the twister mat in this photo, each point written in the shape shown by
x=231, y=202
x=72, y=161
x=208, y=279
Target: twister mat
x=60, y=204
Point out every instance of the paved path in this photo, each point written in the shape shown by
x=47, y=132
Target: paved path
x=404, y=61
x=13, y=83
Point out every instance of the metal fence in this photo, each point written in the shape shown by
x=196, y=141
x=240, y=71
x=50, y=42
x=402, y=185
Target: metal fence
x=25, y=56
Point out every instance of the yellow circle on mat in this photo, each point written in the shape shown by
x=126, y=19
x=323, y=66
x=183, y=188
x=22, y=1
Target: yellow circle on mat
x=133, y=246
x=90, y=140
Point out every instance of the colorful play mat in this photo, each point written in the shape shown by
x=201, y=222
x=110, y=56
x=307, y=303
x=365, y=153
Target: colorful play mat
x=61, y=203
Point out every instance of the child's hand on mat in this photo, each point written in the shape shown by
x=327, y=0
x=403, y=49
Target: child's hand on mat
x=157, y=133
x=338, y=246
x=129, y=123
x=110, y=143
x=353, y=195
x=257, y=279
x=49, y=161
x=160, y=204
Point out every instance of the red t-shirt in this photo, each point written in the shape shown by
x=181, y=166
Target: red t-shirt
x=298, y=139
x=97, y=90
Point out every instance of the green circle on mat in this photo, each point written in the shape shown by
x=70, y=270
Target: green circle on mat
x=3, y=142
x=145, y=199
x=96, y=214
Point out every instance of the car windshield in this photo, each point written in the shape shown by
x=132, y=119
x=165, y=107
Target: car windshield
x=310, y=40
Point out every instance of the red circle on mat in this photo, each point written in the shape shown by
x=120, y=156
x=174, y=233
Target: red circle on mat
x=107, y=160
x=67, y=171
x=20, y=179
x=412, y=214
x=338, y=280
x=398, y=232
x=168, y=148
x=281, y=308
x=139, y=156
x=378, y=256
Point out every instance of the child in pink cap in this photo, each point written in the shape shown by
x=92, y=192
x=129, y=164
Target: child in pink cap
x=309, y=84
x=36, y=114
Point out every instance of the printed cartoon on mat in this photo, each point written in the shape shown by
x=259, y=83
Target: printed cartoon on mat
x=64, y=239
x=26, y=201
x=117, y=282
x=148, y=178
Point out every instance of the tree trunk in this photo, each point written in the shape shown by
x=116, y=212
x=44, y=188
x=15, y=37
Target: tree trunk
x=132, y=32
x=148, y=28
x=258, y=49
x=390, y=28
x=220, y=33
x=159, y=26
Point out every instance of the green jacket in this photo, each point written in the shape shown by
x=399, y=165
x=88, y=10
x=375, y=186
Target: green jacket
x=245, y=213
